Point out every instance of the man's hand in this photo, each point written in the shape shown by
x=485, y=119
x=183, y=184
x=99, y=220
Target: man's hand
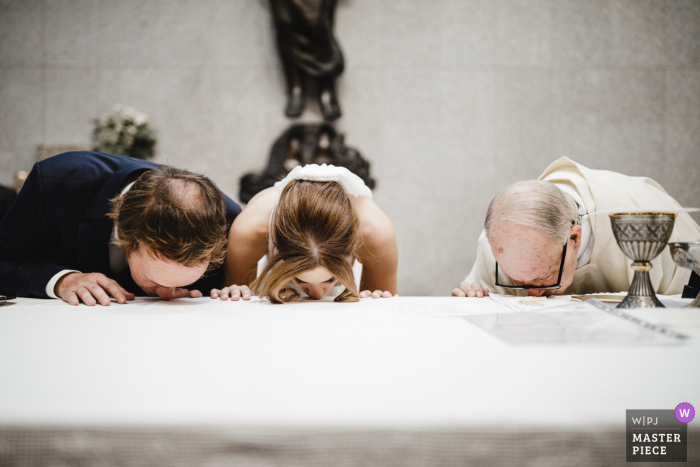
x=470, y=290
x=376, y=294
x=234, y=291
x=90, y=288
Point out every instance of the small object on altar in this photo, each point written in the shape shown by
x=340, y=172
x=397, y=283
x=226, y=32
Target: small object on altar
x=687, y=255
x=5, y=298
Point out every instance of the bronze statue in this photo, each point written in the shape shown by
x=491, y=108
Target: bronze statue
x=309, y=52
x=312, y=61
x=305, y=144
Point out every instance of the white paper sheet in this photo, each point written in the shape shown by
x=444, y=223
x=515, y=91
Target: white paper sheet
x=577, y=324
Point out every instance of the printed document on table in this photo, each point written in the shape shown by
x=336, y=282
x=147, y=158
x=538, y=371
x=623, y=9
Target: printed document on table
x=576, y=324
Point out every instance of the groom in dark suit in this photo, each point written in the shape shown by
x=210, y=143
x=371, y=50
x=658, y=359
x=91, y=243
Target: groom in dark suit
x=88, y=226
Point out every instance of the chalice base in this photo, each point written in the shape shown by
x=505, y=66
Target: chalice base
x=695, y=303
x=641, y=293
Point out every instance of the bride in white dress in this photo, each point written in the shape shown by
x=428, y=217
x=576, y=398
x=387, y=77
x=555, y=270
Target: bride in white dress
x=313, y=227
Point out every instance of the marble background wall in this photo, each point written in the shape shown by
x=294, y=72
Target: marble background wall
x=450, y=100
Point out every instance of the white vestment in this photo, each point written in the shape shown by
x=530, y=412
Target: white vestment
x=609, y=270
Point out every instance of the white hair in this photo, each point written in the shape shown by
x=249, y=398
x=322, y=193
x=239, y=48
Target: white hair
x=535, y=204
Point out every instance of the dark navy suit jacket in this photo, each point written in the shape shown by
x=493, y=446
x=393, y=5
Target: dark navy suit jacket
x=58, y=221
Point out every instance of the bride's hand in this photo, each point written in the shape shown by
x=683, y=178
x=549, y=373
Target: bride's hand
x=376, y=294
x=234, y=291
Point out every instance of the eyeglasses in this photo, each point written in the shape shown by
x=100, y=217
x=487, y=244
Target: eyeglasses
x=543, y=287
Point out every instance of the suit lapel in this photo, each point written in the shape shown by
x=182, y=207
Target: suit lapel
x=93, y=246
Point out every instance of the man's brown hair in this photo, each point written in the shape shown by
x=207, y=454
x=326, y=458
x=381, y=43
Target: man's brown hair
x=314, y=224
x=173, y=213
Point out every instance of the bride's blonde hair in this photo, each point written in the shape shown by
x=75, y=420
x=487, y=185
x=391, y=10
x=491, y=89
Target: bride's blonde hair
x=314, y=225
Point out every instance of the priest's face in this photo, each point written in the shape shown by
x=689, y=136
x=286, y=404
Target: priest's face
x=159, y=276
x=530, y=257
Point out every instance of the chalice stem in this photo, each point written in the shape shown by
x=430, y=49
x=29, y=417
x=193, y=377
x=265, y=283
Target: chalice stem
x=641, y=293
x=695, y=303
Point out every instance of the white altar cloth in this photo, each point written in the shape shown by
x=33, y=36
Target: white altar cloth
x=395, y=365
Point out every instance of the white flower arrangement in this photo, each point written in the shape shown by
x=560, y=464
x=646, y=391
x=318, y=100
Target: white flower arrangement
x=125, y=132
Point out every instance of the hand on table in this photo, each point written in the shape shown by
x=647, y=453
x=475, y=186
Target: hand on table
x=234, y=291
x=470, y=290
x=177, y=292
x=90, y=288
x=376, y=294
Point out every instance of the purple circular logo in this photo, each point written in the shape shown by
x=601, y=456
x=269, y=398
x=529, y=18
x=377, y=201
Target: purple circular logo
x=685, y=412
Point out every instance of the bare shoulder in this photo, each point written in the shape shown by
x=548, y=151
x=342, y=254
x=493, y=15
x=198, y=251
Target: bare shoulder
x=254, y=220
x=375, y=227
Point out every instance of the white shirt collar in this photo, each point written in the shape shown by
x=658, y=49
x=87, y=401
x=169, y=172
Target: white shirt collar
x=117, y=260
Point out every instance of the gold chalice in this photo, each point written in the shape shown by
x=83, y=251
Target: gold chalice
x=642, y=236
x=687, y=255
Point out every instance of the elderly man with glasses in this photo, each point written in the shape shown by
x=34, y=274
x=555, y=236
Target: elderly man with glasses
x=542, y=237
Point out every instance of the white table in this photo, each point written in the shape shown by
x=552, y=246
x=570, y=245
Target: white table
x=315, y=383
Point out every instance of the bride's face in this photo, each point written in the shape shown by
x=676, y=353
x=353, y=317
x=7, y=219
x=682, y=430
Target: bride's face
x=316, y=282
